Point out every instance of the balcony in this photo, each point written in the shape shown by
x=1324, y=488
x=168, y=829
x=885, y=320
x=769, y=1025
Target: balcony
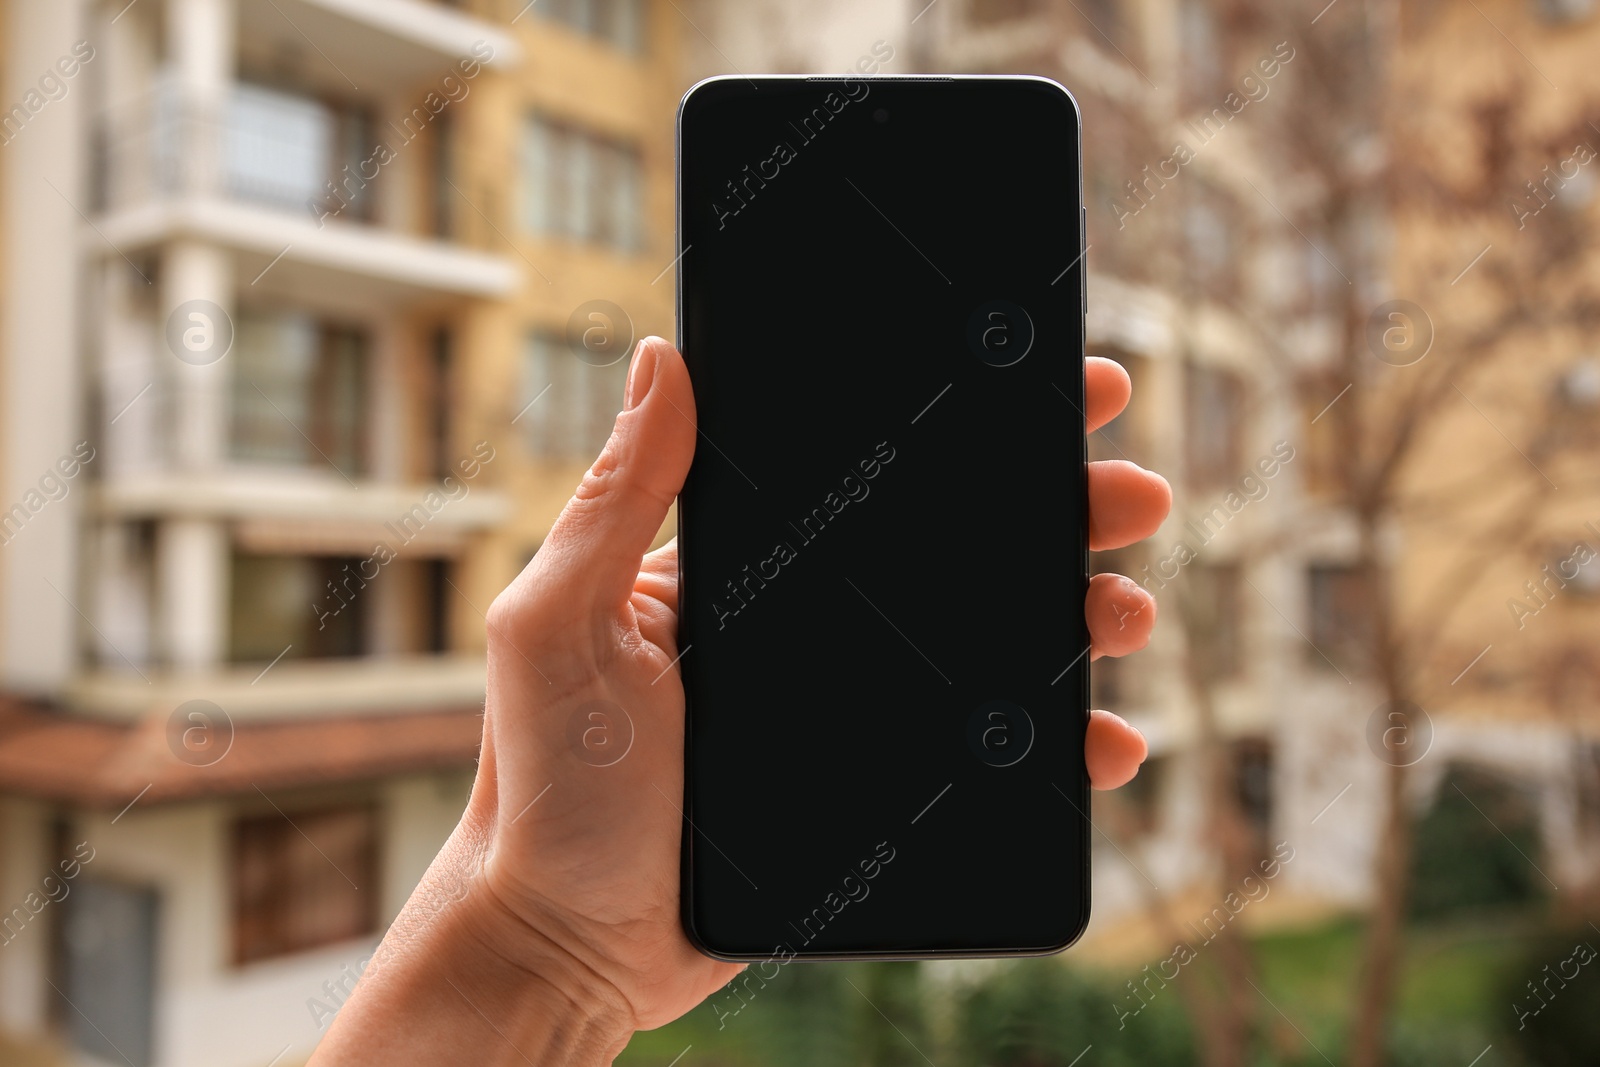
x=352, y=687
x=292, y=186
x=369, y=45
x=312, y=444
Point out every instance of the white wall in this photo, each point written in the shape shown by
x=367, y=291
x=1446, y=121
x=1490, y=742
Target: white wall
x=24, y=862
x=40, y=417
x=211, y=1013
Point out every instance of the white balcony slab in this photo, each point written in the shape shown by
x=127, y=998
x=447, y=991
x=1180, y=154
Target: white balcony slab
x=372, y=264
x=373, y=46
x=290, y=689
x=292, y=496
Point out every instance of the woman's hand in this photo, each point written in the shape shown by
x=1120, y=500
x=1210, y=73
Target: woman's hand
x=547, y=930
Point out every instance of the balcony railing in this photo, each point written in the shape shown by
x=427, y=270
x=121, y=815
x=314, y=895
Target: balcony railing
x=262, y=147
x=295, y=396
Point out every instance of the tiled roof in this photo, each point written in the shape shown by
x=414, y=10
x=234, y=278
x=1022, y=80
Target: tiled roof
x=54, y=755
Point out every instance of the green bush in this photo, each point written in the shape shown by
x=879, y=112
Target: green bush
x=1475, y=848
x=806, y=1014
x=1042, y=1013
x=1561, y=1027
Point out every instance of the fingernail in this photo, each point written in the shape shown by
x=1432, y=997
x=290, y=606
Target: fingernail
x=641, y=373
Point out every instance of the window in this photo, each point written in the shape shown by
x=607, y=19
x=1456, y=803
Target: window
x=1321, y=280
x=1586, y=775
x=1108, y=683
x=1103, y=17
x=1570, y=570
x=442, y=162
x=619, y=22
x=988, y=12
x=1143, y=800
x=317, y=604
x=1252, y=779
x=1209, y=235
x=580, y=186
x=1563, y=11
x=441, y=394
x=283, y=150
x=435, y=612
x=1574, y=403
x=1340, y=625
x=1326, y=467
x=299, y=393
x=568, y=406
x=1214, y=414
x=1134, y=810
x=301, y=884
x=1202, y=78
x=1211, y=602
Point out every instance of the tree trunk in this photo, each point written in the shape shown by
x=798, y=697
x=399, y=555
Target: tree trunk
x=1385, y=929
x=1384, y=933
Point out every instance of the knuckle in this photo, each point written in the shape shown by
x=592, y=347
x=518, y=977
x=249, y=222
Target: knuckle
x=503, y=611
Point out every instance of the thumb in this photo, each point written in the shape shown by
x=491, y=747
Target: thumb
x=591, y=559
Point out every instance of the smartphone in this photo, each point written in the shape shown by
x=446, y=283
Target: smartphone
x=883, y=538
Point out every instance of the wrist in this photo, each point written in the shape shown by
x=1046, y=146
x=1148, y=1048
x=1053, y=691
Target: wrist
x=527, y=967
x=459, y=978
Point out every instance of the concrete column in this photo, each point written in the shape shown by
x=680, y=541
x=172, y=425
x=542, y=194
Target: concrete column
x=391, y=363
x=132, y=373
x=192, y=554
x=399, y=186
x=192, y=569
x=201, y=45
x=196, y=311
x=25, y=954
x=43, y=172
x=200, y=51
x=389, y=622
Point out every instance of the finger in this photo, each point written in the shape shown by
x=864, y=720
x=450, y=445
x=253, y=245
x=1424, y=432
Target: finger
x=1121, y=614
x=658, y=575
x=1126, y=503
x=591, y=559
x=1113, y=750
x=1106, y=389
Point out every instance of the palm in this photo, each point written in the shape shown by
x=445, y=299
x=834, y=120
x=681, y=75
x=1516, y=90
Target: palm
x=588, y=819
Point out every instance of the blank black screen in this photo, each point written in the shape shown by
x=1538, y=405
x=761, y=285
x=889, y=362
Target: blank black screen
x=883, y=535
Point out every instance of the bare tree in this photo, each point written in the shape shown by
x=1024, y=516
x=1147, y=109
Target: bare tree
x=1356, y=126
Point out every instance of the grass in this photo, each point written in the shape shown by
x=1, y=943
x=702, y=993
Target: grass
x=1448, y=986
x=1447, y=976
x=1446, y=997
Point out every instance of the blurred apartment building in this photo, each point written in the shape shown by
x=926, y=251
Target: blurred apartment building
x=287, y=293
x=1507, y=266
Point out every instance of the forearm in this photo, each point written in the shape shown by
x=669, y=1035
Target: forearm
x=443, y=989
